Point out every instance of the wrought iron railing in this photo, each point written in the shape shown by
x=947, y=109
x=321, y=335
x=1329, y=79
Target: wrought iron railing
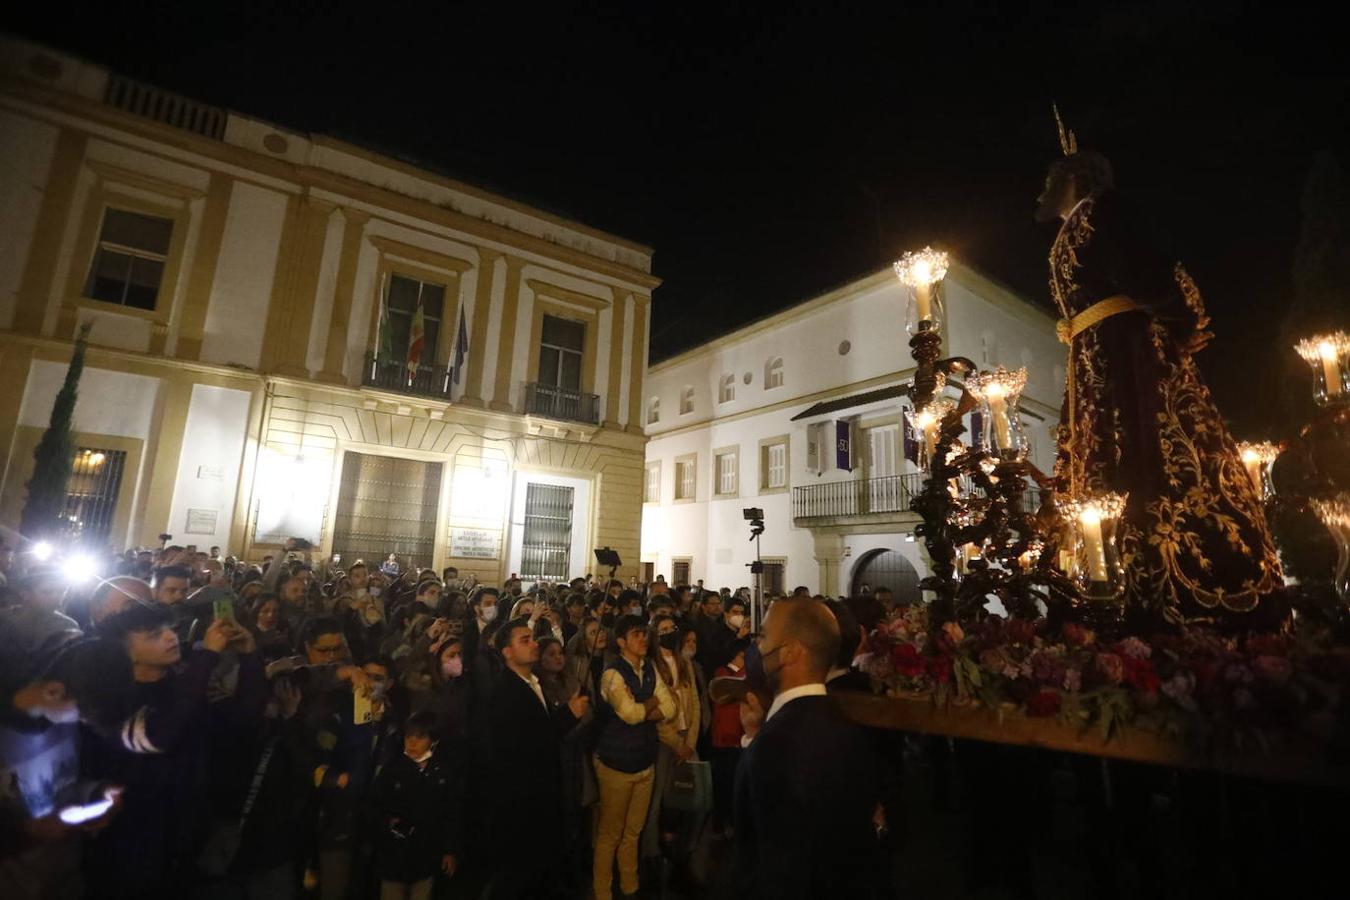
x=867, y=496
x=434, y=381
x=561, y=403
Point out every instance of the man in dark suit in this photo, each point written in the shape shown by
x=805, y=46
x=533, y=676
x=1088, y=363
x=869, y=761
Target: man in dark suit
x=807, y=788
x=522, y=743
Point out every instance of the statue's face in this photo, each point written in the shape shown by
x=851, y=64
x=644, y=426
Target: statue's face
x=1057, y=199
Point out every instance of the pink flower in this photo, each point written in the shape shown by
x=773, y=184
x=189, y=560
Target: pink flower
x=1135, y=648
x=1180, y=688
x=1073, y=680
x=1273, y=668
x=953, y=632
x=1078, y=636
x=1111, y=666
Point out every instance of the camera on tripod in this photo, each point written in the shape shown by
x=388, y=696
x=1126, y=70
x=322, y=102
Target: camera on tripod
x=755, y=516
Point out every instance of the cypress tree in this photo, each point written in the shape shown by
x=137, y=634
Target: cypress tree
x=54, y=457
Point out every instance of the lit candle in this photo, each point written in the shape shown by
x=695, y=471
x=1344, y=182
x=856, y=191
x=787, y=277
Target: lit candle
x=1252, y=461
x=1331, y=367
x=998, y=411
x=1093, y=545
x=923, y=300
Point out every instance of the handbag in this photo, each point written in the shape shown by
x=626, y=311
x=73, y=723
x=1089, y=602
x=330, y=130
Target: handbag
x=690, y=788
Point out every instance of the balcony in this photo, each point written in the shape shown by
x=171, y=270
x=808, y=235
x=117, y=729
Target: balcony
x=888, y=495
x=165, y=106
x=561, y=403
x=869, y=499
x=395, y=376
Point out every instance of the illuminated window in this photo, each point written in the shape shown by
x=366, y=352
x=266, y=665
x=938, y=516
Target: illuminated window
x=773, y=373
x=652, y=489
x=129, y=261
x=726, y=469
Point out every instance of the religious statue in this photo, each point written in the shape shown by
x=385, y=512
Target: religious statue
x=1138, y=420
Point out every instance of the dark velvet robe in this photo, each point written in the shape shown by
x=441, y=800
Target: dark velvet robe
x=1138, y=418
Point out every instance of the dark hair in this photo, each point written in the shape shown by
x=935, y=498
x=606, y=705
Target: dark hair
x=423, y=722
x=138, y=618
x=320, y=625
x=629, y=596
x=545, y=641
x=172, y=572
x=482, y=592
x=502, y=639
x=383, y=660
x=574, y=598
x=867, y=611
x=1091, y=171
x=848, y=632
x=627, y=624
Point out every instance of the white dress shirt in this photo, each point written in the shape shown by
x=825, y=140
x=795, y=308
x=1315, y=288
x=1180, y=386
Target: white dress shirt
x=533, y=682
x=783, y=699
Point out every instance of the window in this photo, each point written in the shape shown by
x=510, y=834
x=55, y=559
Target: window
x=775, y=576
x=773, y=373
x=773, y=463
x=686, y=400
x=546, y=544
x=91, y=493
x=406, y=295
x=726, y=390
x=817, y=447
x=654, y=411
x=560, y=353
x=129, y=260
x=679, y=570
x=685, y=484
x=652, y=491
x=725, y=468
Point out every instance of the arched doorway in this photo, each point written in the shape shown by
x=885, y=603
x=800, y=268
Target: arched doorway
x=886, y=568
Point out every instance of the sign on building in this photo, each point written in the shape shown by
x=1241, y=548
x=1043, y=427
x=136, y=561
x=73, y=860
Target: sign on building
x=474, y=543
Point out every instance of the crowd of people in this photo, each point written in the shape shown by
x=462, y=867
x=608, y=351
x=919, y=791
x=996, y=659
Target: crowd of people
x=178, y=723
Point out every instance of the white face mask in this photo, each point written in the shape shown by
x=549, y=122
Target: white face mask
x=688, y=652
x=488, y=613
x=735, y=620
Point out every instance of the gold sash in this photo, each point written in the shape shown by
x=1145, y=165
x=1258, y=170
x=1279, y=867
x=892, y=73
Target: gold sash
x=1068, y=329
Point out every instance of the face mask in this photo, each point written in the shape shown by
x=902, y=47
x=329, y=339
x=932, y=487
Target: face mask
x=756, y=672
x=736, y=620
x=635, y=610
x=452, y=667
x=670, y=641
x=488, y=613
x=688, y=653
x=378, y=689
x=375, y=592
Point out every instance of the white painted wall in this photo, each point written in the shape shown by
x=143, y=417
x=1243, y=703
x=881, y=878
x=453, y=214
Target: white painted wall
x=108, y=402
x=869, y=315
x=244, y=273
x=26, y=146
x=208, y=469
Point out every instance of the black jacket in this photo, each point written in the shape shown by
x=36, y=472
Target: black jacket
x=806, y=791
x=521, y=748
x=416, y=816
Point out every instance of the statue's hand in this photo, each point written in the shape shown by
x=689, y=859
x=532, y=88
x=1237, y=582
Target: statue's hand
x=1197, y=341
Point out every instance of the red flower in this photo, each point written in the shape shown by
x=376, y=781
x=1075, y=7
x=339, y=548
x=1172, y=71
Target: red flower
x=1021, y=631
x=1043, y=704
x=1077, y=636
x=1267, y=645
x=907, y=661
x=940, y=667
x=1140, y=675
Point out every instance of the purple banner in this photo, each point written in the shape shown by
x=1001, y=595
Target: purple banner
x=843, y=445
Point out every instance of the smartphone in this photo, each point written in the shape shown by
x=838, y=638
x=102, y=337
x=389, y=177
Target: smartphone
x=223, y=609
x=363, y=713
x=79, y=813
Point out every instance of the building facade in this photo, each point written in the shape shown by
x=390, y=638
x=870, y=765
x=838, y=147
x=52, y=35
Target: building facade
x=754, y=419
x=296, y=337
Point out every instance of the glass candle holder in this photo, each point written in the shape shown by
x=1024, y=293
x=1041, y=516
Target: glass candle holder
x=921, y=272
x=1328, y=355
x=1256, y=459
x=927, y=422
x=1095, y=519
x=1335, y=515
x=1000, y=391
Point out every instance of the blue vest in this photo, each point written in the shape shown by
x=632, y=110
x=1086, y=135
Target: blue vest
x=624, y=747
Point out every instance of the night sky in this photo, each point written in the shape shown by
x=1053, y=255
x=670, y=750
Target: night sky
x=770, y=154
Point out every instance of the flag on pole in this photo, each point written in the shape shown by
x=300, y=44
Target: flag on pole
x=416, y=337
x=461, y=344
x=384, y=352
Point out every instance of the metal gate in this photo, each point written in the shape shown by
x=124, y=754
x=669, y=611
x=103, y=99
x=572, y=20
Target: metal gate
x=887, y=569
x=387, y=505
x=91, y=494
x=546, y=543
